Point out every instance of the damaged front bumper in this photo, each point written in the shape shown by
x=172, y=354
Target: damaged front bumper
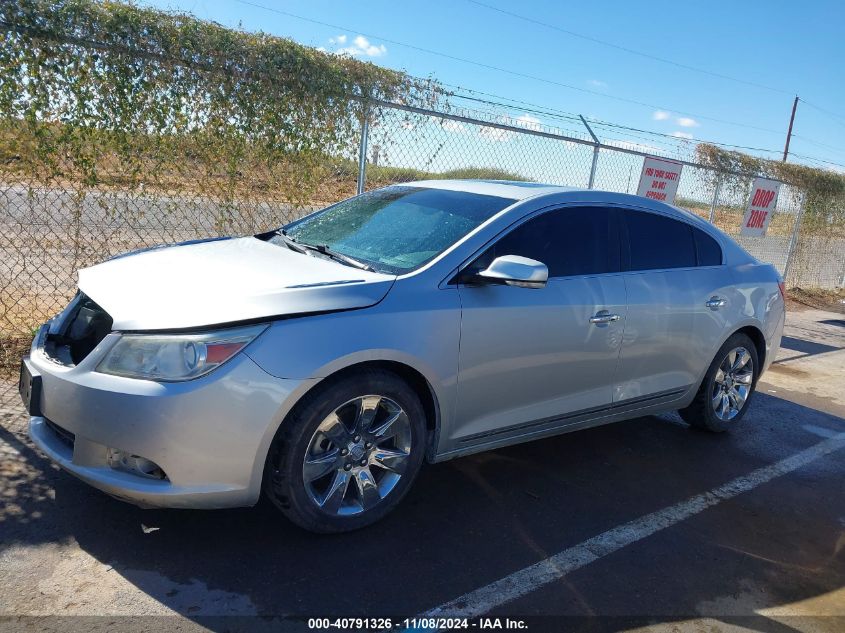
x=194, y=444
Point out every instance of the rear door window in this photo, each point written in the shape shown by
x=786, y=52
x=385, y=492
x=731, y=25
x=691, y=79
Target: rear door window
x=657, y=242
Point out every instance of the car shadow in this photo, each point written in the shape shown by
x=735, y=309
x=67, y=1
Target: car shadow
x=835, y=322
x=807, y=348
x=471, y=521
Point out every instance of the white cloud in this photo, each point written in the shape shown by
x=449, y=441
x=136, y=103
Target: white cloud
x=637, y=147
x=528, y=122
x=685, y=121
x=525, y=121
x=680, y=134
x=453, y=126
x=495, y=134
x=597, y=83
x=361, y=47
x=340, y=39
x=661, y=115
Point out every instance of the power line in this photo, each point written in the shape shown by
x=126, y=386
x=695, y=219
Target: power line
x=545, y=112
x=677, y=138
x=820, y=109
x=560, y=120
x=520, y=105
x=607, y=126
x=819, y=144
x=625, y=49
x=534, y=108
x=535, y=78
x=631, y=132
x=818, y=160
x=527, y=106
x=508, y=71
x=595, y=40
x=651, y=138
x=834, y=117
x=567, y=116
x=598, y=122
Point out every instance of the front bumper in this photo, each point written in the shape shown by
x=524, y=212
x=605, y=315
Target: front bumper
x=210, y=435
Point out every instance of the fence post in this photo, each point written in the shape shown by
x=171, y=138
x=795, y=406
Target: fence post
x=362, y=150
x=793, y=241
x=593, y=167
x=596, y=147
x=715, y=199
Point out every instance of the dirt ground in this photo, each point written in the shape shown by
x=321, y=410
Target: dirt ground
x=802, y=298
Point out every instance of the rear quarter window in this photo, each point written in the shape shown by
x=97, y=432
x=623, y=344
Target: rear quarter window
x=708, y=251
x=656, y=242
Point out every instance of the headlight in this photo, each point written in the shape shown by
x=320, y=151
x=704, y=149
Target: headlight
x=173, y=357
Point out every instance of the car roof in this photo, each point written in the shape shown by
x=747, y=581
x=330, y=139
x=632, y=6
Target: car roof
x=520, y=190
x=513, y=189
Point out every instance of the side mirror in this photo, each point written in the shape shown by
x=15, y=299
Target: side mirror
x=514, y=270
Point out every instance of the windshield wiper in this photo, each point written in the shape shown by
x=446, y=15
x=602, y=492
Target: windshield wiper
x=290, y=242
x=302, y=247
x=340, y=257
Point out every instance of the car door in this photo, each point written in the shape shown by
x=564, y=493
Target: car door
x=675, y=284
x=530, y=358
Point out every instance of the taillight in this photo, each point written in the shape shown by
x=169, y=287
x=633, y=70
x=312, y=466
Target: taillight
x=782, y=288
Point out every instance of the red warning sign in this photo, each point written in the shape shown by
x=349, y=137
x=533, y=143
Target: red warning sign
x=761, y=207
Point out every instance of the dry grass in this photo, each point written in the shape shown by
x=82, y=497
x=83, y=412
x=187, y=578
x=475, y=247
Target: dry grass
x=729, y=219
x=830, y=300
x=20, y=322
x=12, y=349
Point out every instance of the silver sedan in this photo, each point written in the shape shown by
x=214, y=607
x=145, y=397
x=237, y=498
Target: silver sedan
x=323, y=362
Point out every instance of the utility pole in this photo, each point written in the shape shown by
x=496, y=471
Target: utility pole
x=789, y=132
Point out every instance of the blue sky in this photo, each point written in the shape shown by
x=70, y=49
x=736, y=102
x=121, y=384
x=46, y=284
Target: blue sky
x=797, y=48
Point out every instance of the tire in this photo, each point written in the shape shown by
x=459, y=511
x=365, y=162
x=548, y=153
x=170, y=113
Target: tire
x=322, y=428
x=717, y=415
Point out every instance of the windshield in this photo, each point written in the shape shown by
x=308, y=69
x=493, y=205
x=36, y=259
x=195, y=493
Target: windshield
x=397, y=229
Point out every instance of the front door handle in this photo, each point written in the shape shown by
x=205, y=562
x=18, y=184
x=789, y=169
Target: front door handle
x=714, y=303
x=603, y=316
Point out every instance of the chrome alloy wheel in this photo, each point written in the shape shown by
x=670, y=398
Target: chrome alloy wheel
x=732, y=383
x=357, y=455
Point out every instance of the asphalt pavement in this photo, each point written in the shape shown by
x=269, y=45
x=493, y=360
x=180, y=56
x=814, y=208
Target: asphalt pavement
x=645, y=524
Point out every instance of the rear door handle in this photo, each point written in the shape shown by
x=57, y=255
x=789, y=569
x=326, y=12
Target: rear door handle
x=603, y=316
x=714, y=303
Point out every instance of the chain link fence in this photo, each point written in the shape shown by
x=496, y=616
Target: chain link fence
x=49, y=229
x=428, y=144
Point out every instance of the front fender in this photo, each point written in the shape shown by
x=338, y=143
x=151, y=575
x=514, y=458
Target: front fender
x=421, y=331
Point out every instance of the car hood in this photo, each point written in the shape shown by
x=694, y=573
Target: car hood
x=224, y=281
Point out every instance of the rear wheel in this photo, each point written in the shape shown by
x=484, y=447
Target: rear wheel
x=348, y=453
x=722, y=399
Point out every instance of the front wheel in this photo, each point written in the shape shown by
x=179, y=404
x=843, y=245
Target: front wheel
x=348, y=453
x=728, y=385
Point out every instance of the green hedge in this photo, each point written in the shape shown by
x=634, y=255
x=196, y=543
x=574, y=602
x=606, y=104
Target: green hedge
x=824, y=190
x=88, y=87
